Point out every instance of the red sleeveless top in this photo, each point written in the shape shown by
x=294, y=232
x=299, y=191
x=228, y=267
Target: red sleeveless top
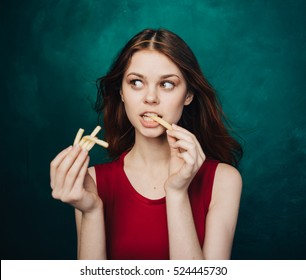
x=136, y=226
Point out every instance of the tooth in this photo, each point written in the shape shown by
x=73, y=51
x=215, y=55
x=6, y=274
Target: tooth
x=148, y=119
x=150, y=114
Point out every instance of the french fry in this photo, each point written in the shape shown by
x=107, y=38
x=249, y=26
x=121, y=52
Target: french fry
x=81, y=143
x=88, y=141
x=90, y=146
x=95, y=140
x=162, y=122
x=95, y=131
x=78, y=136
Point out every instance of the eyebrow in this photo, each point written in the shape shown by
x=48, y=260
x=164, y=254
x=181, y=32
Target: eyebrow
x=162, y=77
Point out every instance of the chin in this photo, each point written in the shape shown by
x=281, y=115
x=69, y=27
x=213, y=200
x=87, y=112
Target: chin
x=152, y=133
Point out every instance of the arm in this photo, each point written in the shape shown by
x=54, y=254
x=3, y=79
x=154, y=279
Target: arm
x=222, y=216
x=186, y=158
x=72, y=183
x=183, y=239
x=91, y=230
x=220, y=221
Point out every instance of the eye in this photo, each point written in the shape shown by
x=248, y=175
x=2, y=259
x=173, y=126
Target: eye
x=167, y=85
x=137, y=84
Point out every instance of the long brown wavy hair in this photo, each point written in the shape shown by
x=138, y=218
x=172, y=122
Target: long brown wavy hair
x=203, y=116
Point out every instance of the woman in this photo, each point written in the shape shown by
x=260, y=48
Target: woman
x=167, y=194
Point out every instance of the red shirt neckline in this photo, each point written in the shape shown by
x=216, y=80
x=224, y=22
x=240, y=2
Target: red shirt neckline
x=132, y=190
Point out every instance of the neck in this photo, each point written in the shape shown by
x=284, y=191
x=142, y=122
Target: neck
x=150, y=152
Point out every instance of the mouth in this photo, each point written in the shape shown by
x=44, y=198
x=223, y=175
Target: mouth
x=146, y=116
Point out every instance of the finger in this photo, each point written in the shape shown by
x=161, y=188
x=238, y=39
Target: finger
x=199, y=147
x=181, y=145
x=188, y=168
x=56, y=162
x=178, y=134
x=184, y=145
x=191, y=150
x=79, y=182
x=187, y=157
x=171, y=142
x=182, y=141
x=74, y=170
x=65, y=166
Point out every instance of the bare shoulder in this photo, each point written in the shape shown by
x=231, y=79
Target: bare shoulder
x=229, y=174
x=227, y=183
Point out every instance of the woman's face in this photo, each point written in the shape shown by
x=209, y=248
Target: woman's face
x=153, y=84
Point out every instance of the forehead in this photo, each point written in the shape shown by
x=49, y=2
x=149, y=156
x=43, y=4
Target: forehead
x=152, y=62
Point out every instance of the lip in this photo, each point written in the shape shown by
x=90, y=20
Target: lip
x=149, y=123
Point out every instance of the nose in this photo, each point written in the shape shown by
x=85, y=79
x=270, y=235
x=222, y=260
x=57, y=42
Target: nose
x=151, y=96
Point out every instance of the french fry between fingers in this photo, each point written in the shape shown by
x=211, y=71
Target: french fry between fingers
x=88, y=141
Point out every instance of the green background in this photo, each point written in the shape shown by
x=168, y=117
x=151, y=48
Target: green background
x=252, y=52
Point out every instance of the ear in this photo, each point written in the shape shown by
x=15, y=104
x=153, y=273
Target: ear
x=188, y=98
x=121, y=95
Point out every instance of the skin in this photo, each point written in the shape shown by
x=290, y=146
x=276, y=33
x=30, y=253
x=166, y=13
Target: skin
x=168, y=160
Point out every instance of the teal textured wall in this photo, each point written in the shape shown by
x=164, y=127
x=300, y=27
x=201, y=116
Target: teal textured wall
x=252, y=52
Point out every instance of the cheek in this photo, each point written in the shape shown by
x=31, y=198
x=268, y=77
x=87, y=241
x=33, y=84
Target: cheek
x=178, y=115
x=130, y=107
x=176, y=109
x=130, y=100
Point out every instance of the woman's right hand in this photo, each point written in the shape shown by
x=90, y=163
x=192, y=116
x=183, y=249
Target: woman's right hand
x=70, y=181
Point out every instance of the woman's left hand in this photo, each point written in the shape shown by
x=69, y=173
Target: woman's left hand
x=186, y=157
